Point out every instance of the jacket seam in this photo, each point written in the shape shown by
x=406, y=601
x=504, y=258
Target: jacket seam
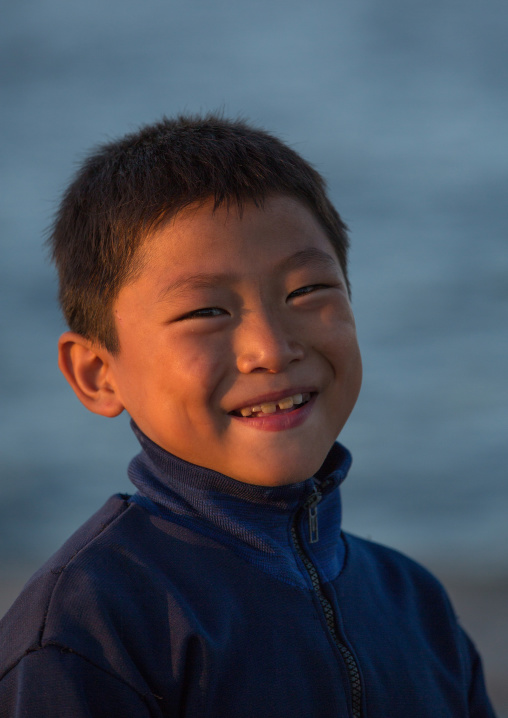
x=60, y=569
x=68, y=649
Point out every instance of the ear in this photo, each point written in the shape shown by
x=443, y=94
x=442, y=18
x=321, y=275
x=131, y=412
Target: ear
x=87, y=368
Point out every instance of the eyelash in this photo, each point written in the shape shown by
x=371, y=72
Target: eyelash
x=204, y=313
x=307, y=290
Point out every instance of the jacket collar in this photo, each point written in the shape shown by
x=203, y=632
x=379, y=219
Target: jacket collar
x=254, y=521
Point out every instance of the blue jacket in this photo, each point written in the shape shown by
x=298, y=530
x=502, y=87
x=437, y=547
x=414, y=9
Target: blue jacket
x=204, y=597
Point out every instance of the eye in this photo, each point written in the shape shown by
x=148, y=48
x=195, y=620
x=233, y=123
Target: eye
x=204, y=313
x=302, y=291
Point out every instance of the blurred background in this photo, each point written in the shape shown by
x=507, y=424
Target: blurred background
x=403, y=107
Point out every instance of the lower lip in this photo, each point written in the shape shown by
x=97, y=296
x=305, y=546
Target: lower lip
x=279, y=421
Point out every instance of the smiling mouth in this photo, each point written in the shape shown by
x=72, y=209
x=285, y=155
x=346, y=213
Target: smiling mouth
x=288, y=403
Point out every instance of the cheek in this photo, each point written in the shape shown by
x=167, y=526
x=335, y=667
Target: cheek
x=333, y=322
x=337, y=337
x=198, y=370
x=343, y=353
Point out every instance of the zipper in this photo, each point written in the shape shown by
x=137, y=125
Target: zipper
x=311, y=506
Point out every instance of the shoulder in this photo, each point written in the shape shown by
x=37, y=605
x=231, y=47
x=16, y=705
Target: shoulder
x=25, y=625
x=398, y=596
x=386, y=565
x=101, y=604
x=390, y=601
x=395, y=583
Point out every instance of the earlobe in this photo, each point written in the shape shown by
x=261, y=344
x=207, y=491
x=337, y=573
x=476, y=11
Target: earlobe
x=87, y=368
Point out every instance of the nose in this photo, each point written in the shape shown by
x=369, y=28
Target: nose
x=265, y=344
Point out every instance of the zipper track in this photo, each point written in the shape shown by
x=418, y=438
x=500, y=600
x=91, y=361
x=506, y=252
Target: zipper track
x=352, y=668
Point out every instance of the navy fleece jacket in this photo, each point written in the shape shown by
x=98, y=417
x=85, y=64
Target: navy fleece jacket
x=203, y=597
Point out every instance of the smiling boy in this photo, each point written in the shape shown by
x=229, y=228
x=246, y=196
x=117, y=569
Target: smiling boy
x=231, y=315
x=203, y=274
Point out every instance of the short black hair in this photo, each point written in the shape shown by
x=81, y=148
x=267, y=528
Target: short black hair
x=128, y=187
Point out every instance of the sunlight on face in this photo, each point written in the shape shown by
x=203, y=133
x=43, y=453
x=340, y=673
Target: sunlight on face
x=238, y=347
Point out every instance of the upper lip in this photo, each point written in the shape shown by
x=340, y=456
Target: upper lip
x=273, y=397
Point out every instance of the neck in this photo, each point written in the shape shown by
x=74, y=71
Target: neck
x=255, y=521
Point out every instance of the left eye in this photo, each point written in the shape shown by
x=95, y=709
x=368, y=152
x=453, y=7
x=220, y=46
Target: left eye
x=307, y=290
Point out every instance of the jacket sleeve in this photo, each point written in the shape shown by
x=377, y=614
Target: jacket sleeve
x=478, y=701
x=56, y=683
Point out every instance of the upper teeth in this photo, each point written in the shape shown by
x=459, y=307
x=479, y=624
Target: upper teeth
x=270, y=407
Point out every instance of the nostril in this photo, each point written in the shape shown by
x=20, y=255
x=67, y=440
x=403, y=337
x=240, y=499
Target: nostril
x=271, y=357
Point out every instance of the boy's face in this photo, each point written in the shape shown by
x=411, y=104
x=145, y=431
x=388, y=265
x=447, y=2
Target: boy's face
x=230, y=313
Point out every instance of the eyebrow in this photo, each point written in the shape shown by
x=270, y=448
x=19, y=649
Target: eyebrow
x=203, y=280
x=308, y=256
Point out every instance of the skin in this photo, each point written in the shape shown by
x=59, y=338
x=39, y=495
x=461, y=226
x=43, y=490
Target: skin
x=229, y=310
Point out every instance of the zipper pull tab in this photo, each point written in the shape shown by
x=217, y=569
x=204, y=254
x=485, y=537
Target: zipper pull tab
x=312, y=505
x=313, y=525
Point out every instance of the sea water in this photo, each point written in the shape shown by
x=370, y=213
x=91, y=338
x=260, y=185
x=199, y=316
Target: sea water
x=403, y=109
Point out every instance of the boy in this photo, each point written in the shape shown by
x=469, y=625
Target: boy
x=203, y=275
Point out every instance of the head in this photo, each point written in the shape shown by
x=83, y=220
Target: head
x=128, y=188
x=203, y=275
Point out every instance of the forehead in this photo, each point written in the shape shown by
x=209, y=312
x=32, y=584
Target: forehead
x=201, y=234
